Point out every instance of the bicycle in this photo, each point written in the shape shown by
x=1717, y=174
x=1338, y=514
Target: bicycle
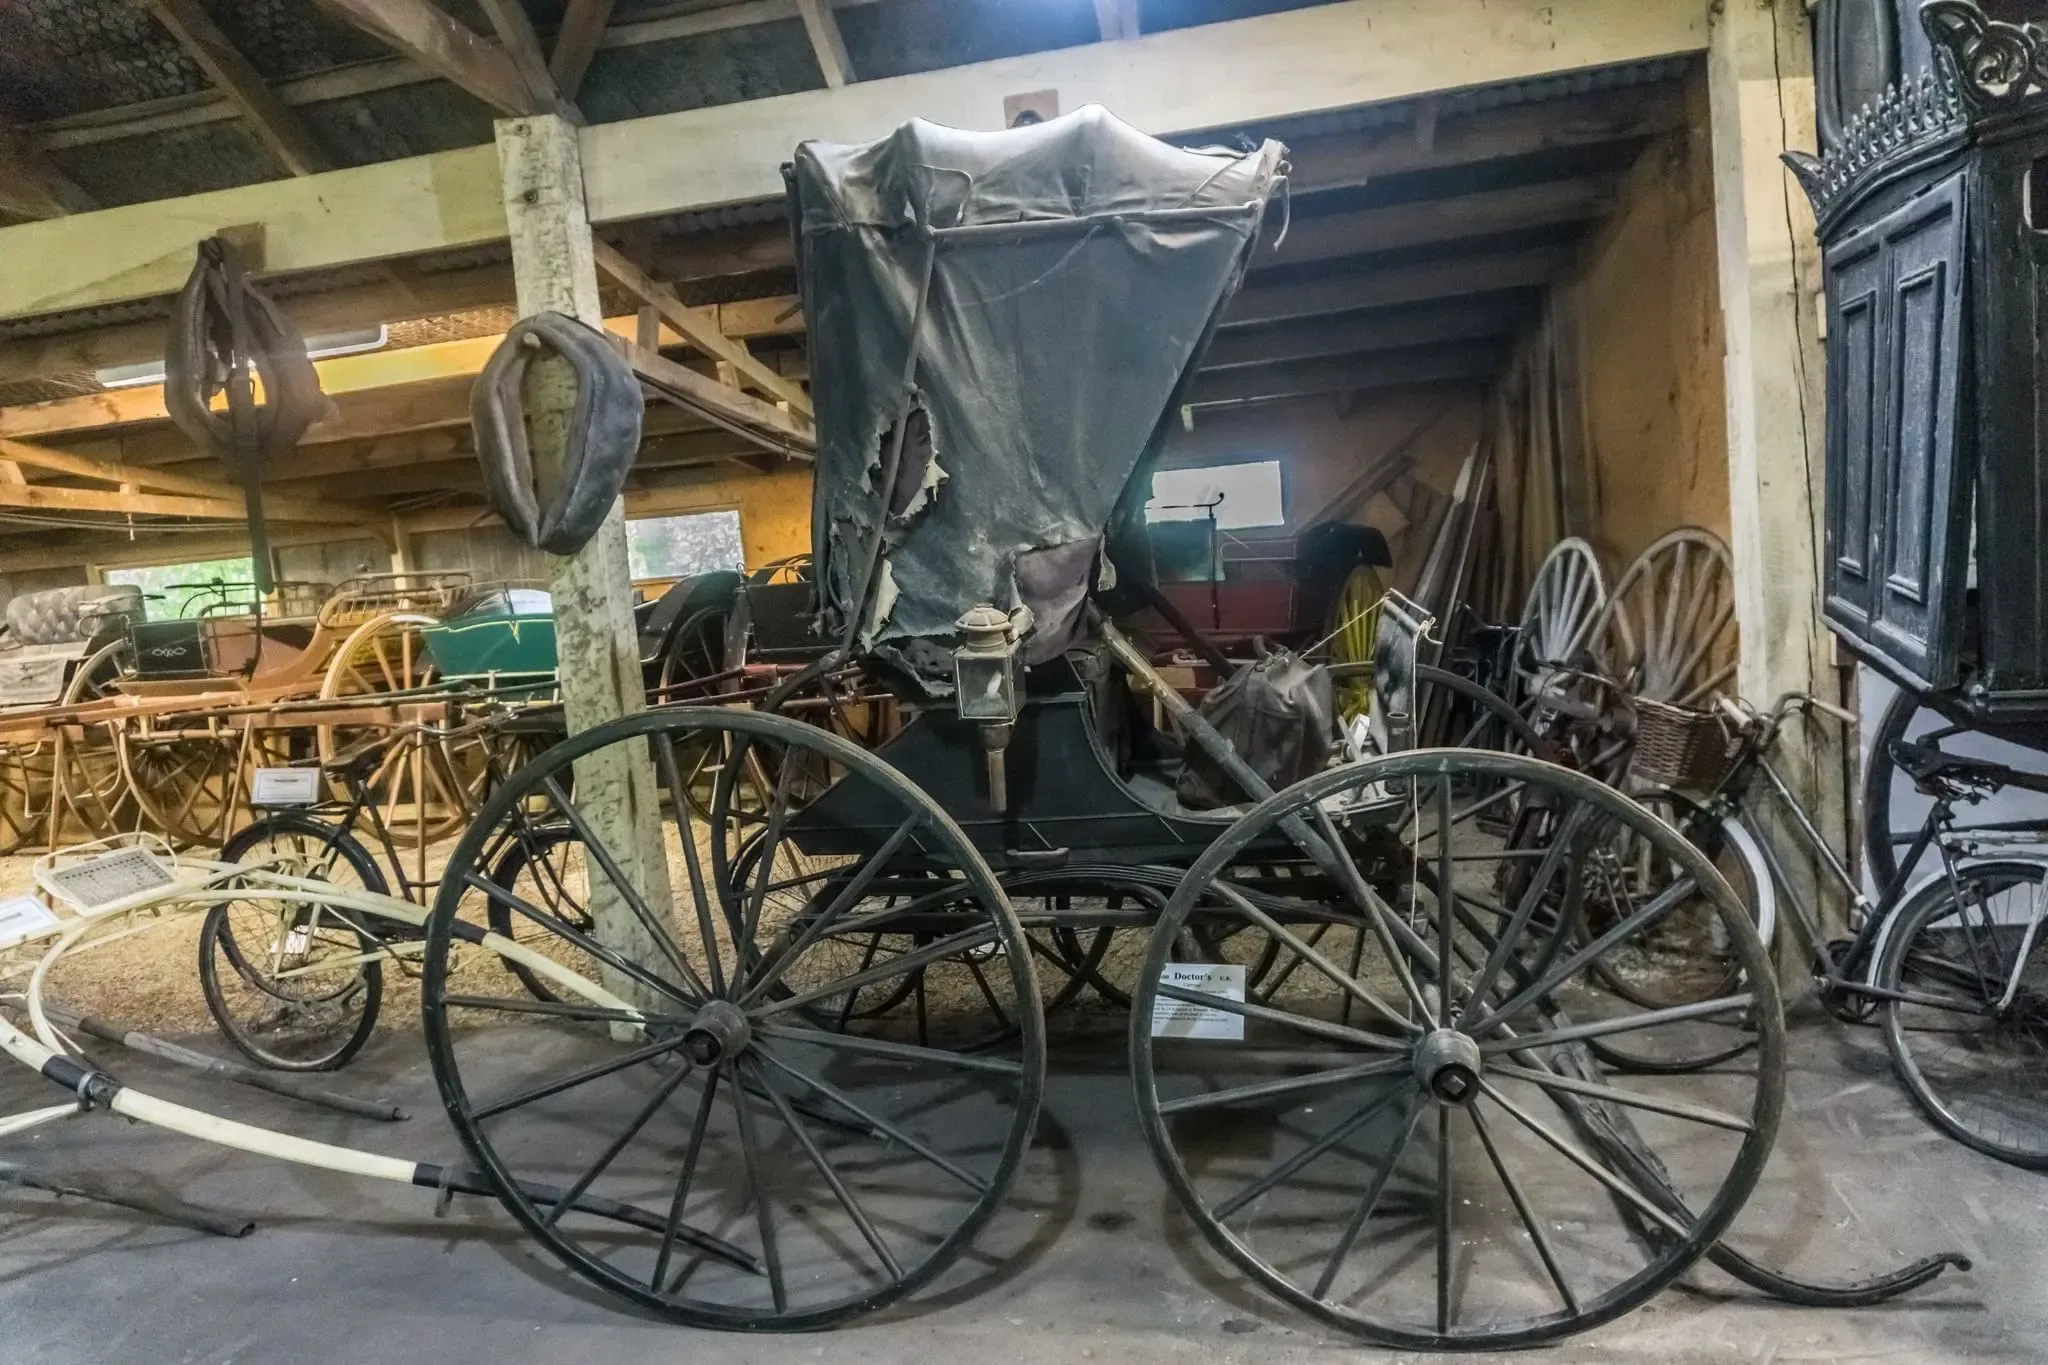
x=299, y=987
x=1948, y=969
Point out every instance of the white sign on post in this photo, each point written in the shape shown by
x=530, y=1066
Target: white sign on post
x=285, y=787
x=22, y=918
x=1173, y=1018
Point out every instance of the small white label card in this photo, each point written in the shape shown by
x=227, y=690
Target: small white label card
x=23, y=917
x=1172, y=1018
x=285, y=787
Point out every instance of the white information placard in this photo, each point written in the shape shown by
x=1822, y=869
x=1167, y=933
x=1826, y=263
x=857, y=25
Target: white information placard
x=22, y=918
x=1173, y=1018
x=285, y=787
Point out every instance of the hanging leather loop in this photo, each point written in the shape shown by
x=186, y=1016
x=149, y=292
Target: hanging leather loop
x=225, y=337
x=602, y=440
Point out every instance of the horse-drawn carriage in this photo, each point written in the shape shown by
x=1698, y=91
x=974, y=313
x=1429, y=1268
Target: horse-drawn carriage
x=1413, y=1037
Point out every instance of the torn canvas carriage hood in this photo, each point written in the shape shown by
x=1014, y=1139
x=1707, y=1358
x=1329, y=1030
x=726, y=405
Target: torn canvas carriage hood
x=999, y=326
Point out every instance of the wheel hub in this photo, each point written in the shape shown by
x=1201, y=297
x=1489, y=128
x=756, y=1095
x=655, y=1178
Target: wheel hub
x=719, y=1033
x=1448, y=1065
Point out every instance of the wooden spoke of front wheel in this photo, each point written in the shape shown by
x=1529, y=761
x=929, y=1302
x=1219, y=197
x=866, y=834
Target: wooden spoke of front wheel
x=1300, y=1023
x=1481, y=984
x=1677, y=1109
x=585, y=1014
x=575, y=1078
x=772, y=970
x=897, y=966
x=1446, y=912
x=1291, y=1085
x=655, y=929
x=1386, y=927
x=764, y=1216
x=880, y=1047
x=1370, y=1200
x=879, y=1125
x=616, y=961
x=1444, y=1219
x=1530, y=1222
x=619, y=1144
x=1357, y=1119
x=1627, y=1023
x=1614, y=1183
x=705, y=1099
x=1306, y=952
x=778, y=815
x=678, y=795
x=1660, y=905
x=833, y=1182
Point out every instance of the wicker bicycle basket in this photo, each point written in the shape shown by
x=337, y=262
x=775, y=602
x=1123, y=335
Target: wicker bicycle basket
x=1679, y=747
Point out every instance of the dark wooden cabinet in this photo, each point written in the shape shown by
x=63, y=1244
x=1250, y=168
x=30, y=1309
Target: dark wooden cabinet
x=1937, y=353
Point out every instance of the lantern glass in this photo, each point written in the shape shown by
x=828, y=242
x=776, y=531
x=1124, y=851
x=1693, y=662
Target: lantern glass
x=986, y=684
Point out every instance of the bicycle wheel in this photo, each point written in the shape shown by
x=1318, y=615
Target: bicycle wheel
x=1893, y=809
x=546, y=867
x=1687, y=959
x=294, y=987
x=1971, y=1040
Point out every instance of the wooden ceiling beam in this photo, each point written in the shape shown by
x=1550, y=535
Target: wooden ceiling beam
x=1389, y=329
x=1474, y=361
x=821, y=26
x=514, y=27
x=771, y=427
x=1342, y=160
x=1177, y=83
x=1426, y=222
x=421, y=31
x=583, y=25
x=144, y=478
x=279, y=129
x=1389, y=286
x=30, y=186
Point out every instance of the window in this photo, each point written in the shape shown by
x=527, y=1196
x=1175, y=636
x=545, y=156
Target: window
x=173, y=590
x=676, y=547
x=317, y=348
x=1244, y=495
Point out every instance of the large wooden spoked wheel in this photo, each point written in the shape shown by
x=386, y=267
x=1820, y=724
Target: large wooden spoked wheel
x=763, y=1158
x=184, y=787
x=1668, y=632
x=24, y=792
x=1565, y=603
x=424, y=787
x=1413, y=1141
x=94, y=798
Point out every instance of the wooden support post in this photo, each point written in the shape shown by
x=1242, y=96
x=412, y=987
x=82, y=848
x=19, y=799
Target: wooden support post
x=1760, y=89
x=595, y=643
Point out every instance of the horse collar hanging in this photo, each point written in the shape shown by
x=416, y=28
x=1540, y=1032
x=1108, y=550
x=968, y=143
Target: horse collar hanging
x=226, y=337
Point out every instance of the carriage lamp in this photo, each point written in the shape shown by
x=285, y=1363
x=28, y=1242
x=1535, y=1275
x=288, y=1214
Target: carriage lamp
x=985, y=684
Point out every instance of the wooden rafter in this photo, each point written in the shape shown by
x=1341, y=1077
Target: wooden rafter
x=422, y=32
x=771, y=427
x=30, y=187
x=515, y=30
x=270, y=118
x=583, y=25
x=822, y=26
x=137, y=478
x=699, y=327
x=1220, y=75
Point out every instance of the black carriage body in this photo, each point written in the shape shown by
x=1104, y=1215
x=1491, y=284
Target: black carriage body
x=1937, y=427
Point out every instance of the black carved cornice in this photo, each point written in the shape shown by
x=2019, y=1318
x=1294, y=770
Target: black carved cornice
x=1901, y=125
x=1998, y=66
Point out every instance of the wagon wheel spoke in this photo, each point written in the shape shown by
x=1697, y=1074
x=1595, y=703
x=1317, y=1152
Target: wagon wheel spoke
x=1530, y=1222
x=563, y=929
x=698, y=1128
x=1370, y=1200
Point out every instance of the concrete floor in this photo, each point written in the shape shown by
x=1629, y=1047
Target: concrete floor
x=1091, y=1261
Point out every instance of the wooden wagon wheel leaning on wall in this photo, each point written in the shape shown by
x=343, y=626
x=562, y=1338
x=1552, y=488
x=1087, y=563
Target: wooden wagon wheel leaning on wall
x=1668, y=632
x=424, y=788
x=90, y=793
x=182, y=783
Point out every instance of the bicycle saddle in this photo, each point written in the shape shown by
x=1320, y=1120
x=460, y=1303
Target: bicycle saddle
x=1927, y=765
